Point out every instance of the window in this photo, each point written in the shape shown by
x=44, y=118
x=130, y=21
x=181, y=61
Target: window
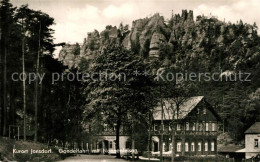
x=114, y=128
x=206, y=146
x=178, y=127
x=170, y=128
x=200, y=127
x=192, y=147
x=194, y=126
x=155, y=127
x=179, y=147
x=204, y=111
x=186, y=147
x=212, y=146
x=256, y=142
x=213, y=127
x=110, y=144
x=199, y=146
x=187, y=126
x=207, y=126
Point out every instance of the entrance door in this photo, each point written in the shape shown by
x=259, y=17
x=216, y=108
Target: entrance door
x=156, y=146
x=106, y=149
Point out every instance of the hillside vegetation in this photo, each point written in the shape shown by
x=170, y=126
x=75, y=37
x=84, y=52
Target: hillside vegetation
x=187, y=44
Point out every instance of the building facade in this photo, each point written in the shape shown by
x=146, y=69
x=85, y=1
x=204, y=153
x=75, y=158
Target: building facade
x=252, y=139
x=104, y=140
x=195, y=130
x=195, y=127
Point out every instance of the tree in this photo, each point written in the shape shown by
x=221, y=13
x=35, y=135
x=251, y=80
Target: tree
x=175, y=92
x=119, y=87
x=7, y=24
x=39, y=39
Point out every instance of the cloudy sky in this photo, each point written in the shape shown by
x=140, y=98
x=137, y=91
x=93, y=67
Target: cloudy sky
x=75, y=18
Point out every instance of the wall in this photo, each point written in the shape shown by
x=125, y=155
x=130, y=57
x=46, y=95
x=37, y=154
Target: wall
x=250, y=143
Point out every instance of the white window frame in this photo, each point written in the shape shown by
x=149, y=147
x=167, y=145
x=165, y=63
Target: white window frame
x=212, y=144
x=199, y=146
x=155, y=125
x=178, y=146
x=213, y=127
x=187, y=125
x=194, y=127
x=204, y=111
x=207, y=127
x=186, y=147
x=206, y=145
x=192, y=147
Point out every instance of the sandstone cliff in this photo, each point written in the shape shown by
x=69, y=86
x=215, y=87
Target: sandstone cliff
x=174, y=40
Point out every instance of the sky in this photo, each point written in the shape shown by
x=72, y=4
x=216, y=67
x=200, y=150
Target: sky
x=75, y=18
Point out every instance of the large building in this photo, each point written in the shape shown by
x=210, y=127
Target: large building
x=195, y=125
x=252, y=139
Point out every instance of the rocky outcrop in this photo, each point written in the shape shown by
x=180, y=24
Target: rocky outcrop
x=170, y=41
x=69, y=55
x=156, y=41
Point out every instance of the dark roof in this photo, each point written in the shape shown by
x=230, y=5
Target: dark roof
x=168, y=108
x=255, y=128
x=230, y=148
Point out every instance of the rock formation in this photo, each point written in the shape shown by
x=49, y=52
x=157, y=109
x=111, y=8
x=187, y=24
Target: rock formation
x=179, y=37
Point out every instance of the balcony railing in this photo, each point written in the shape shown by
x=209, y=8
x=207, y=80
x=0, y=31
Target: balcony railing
x=205, y=133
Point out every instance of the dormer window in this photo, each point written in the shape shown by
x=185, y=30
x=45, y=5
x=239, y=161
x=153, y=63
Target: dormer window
x=194, y=127
x=187, y=126
x=204, y=111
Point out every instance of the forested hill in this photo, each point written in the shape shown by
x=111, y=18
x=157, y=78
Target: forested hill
x=201, y=44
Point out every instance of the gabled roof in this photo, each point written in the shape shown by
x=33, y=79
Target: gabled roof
x=169, y=108
x=255, y=128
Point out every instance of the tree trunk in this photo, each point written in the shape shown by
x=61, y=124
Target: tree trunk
x=173, y=143
x=12, y=103
x=24, y=94
x=0, y=81
x=183, y=144
x=149, y=137
x=133, y=149
x=118, y=124
x=5, y=95
x=36, y=90
x=161, y=130
x=133, y=142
